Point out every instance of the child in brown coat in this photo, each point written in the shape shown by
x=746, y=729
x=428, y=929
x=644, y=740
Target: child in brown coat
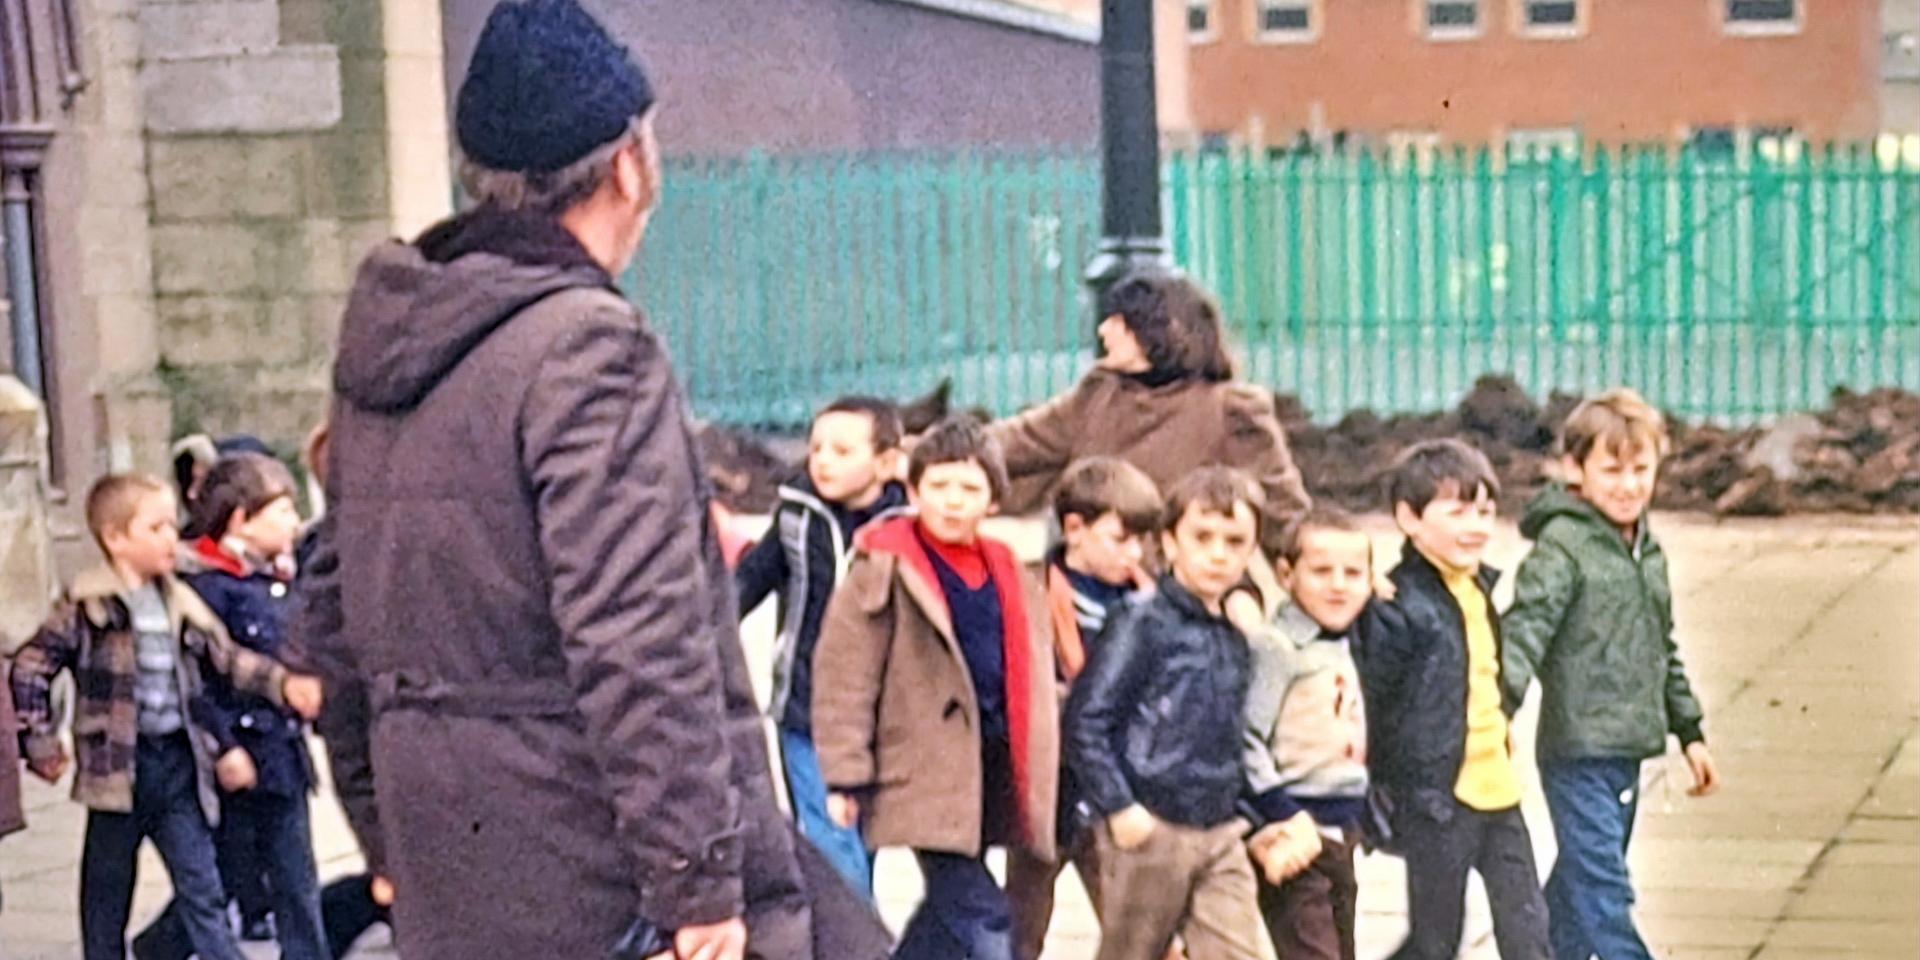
x=934, y=707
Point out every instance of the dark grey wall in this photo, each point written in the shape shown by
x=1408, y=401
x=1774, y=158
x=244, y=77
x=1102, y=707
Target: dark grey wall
x=791, y=76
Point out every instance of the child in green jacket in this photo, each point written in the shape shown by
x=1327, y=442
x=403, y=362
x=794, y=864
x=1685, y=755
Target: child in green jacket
x=1593, y=619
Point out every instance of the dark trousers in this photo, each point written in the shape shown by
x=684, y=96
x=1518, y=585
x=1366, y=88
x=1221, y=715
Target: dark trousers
x=965, y=915
x=1589, y=895
x=280, y=831
x=166, y=810
x=1439, y=855
x=242, y=843
x=1310, y=917
x=347, y=907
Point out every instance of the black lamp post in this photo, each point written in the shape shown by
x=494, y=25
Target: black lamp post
x=1129, y=146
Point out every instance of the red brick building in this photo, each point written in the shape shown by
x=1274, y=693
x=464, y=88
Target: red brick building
x=1486, y=71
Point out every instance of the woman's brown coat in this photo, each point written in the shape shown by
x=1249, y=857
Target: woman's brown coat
x=1164, y=430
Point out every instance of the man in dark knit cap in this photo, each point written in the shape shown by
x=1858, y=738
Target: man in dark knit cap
x=518, y=569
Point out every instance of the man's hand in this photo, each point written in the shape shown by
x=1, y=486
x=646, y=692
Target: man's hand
x=843, y=810
x=1706, y=777
x=381, y=890
x=1132, y=827
x=303, y=695
x=50, y=768
x=726, y=940
x=236, y=772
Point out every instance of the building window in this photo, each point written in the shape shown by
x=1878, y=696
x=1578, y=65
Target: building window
x=1761, y=17
x=1200, y=20
x=1552, y=18
x=1286, y=21
x=1543, y=144
x=1450, y=19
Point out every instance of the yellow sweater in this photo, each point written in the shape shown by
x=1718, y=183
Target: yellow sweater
x=1487, y=780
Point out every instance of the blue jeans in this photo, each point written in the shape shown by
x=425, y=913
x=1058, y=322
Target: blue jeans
x=279, y=831
x=166, y=809
x=965, y=915
x=1589, y=896
x=807, y=791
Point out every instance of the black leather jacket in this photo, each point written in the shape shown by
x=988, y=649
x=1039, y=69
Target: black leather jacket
x=1412, y=657
x=1155, y=718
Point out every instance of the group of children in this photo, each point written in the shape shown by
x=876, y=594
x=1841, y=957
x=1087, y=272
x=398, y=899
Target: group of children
x=1208, y=758
x=189, y=730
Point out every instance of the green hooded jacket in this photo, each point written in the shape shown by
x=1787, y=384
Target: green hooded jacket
x=1592, y=617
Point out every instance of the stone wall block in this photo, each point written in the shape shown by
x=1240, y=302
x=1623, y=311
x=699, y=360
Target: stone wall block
x=200, y=258
x=188, y=31
x=284, y=90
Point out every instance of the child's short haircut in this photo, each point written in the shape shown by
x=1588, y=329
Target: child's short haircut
x=239, y=481
x=1096, y=486
x=960, y=438
x=1619, y=421
x=884, y=416
x=1293, y=541
x=1215, y=489
x=1426, y=470
x=115, y=498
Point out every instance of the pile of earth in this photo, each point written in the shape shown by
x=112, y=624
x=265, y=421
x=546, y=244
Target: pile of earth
x=1860, y=455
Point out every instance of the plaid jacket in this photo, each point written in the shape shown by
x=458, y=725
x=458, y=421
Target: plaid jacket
x=90, y=632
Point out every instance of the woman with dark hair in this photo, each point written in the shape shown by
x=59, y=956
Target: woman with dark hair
x=1161, y=397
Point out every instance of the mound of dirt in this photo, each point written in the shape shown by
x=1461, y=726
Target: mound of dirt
x=1860, y=455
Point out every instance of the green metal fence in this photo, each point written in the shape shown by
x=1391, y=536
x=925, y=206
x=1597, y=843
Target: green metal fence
x=1727, y=287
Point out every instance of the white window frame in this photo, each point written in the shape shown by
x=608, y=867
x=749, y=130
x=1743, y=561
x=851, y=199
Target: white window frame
x=1262, y=35
x=1416, y=148
x=1536, y=143
x=1212, y=9
x=1723, y=12
x=1557, y=31
x=1422, y=8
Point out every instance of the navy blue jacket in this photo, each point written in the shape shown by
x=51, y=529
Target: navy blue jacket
x=802, y=557
x=253, y=606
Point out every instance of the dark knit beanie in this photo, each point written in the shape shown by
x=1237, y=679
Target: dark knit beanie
x=546, y=87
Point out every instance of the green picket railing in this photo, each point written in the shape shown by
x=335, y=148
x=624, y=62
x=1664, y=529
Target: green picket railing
x=1725, y=287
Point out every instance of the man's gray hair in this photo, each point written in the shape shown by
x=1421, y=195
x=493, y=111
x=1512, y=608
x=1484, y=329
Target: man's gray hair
x=551, y=192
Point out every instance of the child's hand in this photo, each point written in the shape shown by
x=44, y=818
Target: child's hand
x=1243, y=611
x=1706, y=777
x=843, y=810
x=236, y=772
x=1383, y=585
x=303, y=695
x=381, y=890
x=50, y=769
x=1132, y=827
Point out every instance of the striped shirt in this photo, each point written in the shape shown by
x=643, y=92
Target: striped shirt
x=156, y=685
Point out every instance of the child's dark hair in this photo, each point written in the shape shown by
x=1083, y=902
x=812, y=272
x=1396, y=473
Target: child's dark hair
x=1096, y=486
x=1215, y=489
x=1426, y=471
x=1177, y=323
x=960, y=439
x=884, y=416
x=1293, y=541
x=239, y=481
x=113, y=500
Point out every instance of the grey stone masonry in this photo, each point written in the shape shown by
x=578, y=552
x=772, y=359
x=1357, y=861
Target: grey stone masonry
x=217, y=66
